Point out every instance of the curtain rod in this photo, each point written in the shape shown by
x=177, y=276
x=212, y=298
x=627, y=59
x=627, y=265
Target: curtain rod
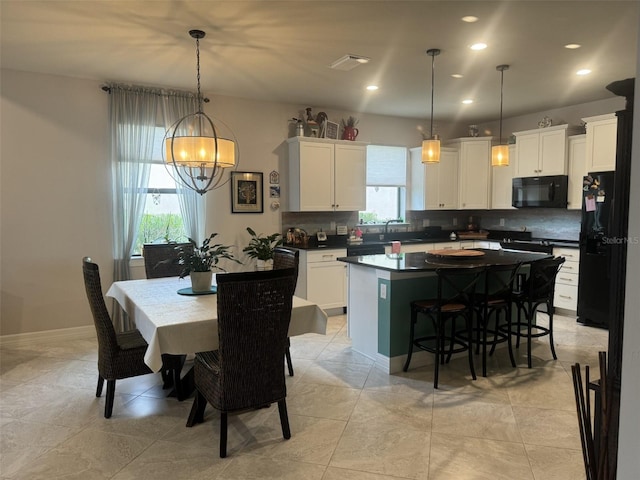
x=107, y=88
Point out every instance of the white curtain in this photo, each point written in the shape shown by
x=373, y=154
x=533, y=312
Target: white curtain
x=192, y=205
x=132, y=121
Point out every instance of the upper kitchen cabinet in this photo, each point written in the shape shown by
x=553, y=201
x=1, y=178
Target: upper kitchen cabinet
x=434, y=186
x=577, y=170
x=601, y=142
x=542, y=151
x=474, y=172
x=502, y=181
x=326, y=175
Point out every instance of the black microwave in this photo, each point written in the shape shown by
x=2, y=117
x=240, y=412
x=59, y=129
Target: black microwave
x=540, y=192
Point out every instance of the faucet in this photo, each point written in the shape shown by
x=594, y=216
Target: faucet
x=386, y=225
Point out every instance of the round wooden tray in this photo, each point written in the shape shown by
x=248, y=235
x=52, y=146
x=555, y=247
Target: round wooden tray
x=458, y=253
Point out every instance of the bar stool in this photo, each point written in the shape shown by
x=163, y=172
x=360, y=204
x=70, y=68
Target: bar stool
x=495, y=299
x=537, y=290
x=456, y=290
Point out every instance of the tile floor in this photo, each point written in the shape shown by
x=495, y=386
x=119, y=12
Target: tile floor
x=348, y=419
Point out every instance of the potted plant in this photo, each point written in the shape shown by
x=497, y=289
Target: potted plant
x=200, y=262
x=349, y=130
x=261, y=248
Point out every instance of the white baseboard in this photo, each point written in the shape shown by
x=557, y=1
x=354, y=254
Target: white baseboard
x=73, y=333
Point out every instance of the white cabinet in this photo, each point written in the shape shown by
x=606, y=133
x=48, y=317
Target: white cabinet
x=486, y=244
x=502, y=182
x=566, y=289
x=542, y=151
x=474, y=172
x=326, y=175
x=434, y=186
x=577, y=170
x=322, y=279
x=602, y=134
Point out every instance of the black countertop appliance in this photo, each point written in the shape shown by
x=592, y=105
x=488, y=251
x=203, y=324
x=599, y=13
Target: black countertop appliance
x=595, y=243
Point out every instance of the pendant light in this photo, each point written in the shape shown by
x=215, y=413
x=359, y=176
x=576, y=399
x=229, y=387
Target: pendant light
x=195, y=154
x=500, y=152
x=431, y=145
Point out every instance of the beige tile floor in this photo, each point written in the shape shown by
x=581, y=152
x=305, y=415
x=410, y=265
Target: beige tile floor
x=348, y=419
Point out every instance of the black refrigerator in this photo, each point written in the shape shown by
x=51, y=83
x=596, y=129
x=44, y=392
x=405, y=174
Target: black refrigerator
x=595, y=245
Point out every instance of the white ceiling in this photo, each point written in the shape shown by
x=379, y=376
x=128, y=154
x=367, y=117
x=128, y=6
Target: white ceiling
x=280, y=50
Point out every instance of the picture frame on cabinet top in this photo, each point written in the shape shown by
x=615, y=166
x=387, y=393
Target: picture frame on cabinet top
x=331, y=130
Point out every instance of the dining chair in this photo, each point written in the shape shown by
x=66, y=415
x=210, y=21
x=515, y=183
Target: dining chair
x=160, y=261
x=454, y=300
x=287, y=258
x=537, y=290
x=120, y=355
x=245, y=373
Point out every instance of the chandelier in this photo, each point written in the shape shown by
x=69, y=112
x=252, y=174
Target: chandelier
x=195, y=153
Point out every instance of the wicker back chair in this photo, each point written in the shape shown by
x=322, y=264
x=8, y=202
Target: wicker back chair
x=161, y=259
x=287, y=258
x=254, y=310
x=120, y=355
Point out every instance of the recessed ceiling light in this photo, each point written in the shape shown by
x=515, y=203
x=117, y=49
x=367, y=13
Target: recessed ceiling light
x=478, y=46
x=583, y=71
x=372, y=87
x=572, y=46
x=349, y=62
x=457, y=75
x=469, y=19
x=467, y=101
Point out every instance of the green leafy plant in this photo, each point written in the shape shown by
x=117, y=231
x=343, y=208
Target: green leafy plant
x=260, y=246
x=205, y=257
x=349, y=122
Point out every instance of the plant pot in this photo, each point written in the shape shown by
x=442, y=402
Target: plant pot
x=264, y=264
x=350, y=133
x=201, y=281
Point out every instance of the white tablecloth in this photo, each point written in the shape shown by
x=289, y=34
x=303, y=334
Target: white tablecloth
x=179, y=324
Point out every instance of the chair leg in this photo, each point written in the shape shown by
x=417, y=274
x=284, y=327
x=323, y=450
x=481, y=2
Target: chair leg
x=197, y=410
x=530, y=313
x=414, y=318
x=439, y=343
x=287, y=356
x=551, y=343
x=111, y=392
x=167, y=379
x=284, y=419
x=470, y=347
x=223, y=434
x=484, y=343
x=509, y=346
x=100, y=385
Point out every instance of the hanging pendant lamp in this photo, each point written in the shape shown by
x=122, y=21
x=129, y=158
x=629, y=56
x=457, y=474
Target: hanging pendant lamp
x=500, y=152
x=195, y=153
x=431, y=145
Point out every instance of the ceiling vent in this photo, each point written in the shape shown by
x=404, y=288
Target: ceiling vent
x=349, y=62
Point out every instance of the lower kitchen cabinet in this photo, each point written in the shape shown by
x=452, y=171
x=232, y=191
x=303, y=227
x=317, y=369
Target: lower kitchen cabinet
x=566, y=291
x=322, y=279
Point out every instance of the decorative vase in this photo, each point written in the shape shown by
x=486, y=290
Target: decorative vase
x=201, y=281
x=350, y=133
x=264, y=264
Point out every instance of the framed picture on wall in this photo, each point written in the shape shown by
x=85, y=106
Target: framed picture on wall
x=331, y=130
x=246, y=192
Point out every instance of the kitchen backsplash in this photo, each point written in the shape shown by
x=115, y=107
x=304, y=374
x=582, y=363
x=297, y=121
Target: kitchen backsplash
x=549, y=223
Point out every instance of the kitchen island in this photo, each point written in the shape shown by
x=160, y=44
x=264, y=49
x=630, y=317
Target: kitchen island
x=381, y=287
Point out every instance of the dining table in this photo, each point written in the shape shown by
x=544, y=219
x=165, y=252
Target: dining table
x=186, y=323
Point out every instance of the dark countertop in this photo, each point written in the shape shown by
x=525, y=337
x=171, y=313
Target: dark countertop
x=415, y=262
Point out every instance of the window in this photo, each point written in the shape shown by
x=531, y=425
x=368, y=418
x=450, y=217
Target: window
x=386, y=184
x=161, y=221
